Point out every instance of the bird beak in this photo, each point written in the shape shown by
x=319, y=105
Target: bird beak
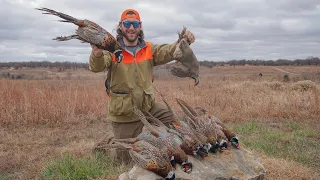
x=196, y=79
x=236, y=145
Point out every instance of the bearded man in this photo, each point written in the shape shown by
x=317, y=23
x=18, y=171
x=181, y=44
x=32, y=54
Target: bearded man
x=129, y=83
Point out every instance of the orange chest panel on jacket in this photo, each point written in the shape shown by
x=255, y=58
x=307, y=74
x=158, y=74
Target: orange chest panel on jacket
x=143, y=54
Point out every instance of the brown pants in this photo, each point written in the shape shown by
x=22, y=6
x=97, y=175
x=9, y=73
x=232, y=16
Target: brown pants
x=133, y=129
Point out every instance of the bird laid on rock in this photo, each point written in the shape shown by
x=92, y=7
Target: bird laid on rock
x=197, y=144
x=214, y=139
x=208, y=128
x=196, y=141
x=88, y=32
x=232, y=137
x=162, y=138
x=191, y=145
x=187, y=64
x=148, y=156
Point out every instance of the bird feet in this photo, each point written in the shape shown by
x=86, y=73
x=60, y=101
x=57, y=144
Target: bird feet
x=187, y=166
x=178, y=53
x=181, y=34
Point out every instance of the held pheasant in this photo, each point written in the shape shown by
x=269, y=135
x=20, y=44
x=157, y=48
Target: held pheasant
x=88, y=32
x=187, y=64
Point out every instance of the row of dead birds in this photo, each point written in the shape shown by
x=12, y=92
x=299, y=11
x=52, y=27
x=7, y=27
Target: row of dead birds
x=160, y=148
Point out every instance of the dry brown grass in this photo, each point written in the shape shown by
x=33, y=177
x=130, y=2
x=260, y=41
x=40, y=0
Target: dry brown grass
x=54, y=101
x=279, y=169
x=243, y=100
x=41, y=119
x=24, y=150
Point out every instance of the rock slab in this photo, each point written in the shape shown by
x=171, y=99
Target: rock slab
x=235, y=164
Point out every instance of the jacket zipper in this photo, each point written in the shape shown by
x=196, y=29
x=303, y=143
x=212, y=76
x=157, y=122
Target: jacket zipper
x=136, y=76
x=137, y=81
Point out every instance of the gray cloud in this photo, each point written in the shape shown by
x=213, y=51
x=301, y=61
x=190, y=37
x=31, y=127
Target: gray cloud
x=224, y=30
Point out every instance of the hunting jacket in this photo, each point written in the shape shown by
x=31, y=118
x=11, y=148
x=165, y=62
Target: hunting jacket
x=131, y=81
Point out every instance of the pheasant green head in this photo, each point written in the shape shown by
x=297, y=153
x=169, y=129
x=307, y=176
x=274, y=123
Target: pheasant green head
x=235, y=142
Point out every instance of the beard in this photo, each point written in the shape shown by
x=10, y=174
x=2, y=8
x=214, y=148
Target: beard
x=125, y=35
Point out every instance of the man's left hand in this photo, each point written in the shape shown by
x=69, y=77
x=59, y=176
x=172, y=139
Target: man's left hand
x=189, y=36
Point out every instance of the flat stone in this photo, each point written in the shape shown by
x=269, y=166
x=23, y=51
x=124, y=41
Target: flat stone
x=235, y=164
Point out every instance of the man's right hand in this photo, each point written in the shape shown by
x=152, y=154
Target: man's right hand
x=96, y=51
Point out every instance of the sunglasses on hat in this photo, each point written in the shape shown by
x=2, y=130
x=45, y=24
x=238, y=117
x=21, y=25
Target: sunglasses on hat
x=127, y=24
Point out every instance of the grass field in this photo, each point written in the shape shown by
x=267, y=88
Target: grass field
x=50, y=121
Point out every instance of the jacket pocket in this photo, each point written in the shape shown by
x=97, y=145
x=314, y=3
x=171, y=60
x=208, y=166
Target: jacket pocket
x=148, y=98
x=120, y=104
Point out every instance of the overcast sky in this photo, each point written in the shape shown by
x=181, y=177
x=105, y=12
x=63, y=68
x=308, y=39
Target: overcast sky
x=224, y=30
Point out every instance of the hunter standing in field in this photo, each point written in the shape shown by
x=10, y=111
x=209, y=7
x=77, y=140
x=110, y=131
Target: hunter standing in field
x=130, y=83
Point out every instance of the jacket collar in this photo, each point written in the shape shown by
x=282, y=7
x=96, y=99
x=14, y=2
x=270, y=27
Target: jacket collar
x=141, y=43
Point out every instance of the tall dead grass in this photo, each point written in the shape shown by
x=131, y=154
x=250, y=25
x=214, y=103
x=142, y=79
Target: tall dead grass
x=278, y=169
x=243, y=100
x=55, y=101
x=58, y=101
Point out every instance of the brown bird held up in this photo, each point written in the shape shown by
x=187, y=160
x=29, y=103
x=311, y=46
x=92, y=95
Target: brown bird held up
x=187, y=64
x=88, y=32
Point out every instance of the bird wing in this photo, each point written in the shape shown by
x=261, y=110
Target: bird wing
x=90, y=35
x=179, y=70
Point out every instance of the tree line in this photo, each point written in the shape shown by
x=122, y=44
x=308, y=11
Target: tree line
x=44, y=64
x=75, y=65
x=280, y=62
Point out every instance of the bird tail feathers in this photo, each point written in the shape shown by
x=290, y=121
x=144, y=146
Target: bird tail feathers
x=66, y=38
x=144, y=120
x=127, y=140
x=187, y=109
x=66, y=17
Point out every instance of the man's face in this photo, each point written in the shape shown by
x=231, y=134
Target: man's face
x=130, y=32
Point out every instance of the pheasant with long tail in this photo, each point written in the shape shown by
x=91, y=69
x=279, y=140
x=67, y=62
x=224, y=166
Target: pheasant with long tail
x=88, y=32
x=148, y=156
x=193, y=142
x=161, y=137
x=232, y=136
x=203, y=125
